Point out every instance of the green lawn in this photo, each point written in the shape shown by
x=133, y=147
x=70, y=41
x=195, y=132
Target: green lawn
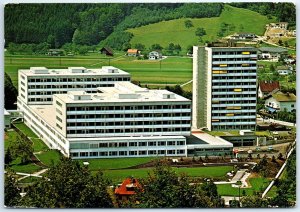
x=258, y=185
x=26, y=130
x=118, y=176
x=25, y=168
x=39, y=145
x=115, y=163
x=174, y=31
x=224, y=133
x=49, y=156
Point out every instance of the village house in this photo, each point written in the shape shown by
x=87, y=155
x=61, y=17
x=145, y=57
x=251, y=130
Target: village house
x=127, y=189
x=284, y=70
x=280, y=101
x=133, y=52
x=107, y=51
x=271, y=53
x=244, y=36
x=155, y=55
x=265, y=88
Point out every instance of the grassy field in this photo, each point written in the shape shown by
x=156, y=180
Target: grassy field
x=118, y=176
x=174, y=31
x=172, y=70
x=258, y=185
x=17, y=166
x=26, y=130
x=115, y=163
x=49, y=157
x=9, y=137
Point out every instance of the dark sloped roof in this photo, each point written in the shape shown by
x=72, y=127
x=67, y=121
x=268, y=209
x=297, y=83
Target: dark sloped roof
x=109, y=50
x=269, y=86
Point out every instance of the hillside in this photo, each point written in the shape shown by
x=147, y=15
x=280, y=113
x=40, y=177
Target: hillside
x=174, y=31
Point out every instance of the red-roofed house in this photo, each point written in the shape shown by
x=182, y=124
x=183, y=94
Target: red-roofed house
x=265, y=88
x=127, y=189
x=133, y=52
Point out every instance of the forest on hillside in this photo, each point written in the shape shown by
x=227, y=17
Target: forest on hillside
x=55, y=25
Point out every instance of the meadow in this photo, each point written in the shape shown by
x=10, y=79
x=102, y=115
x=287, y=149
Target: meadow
x=174, y=31
x=172, y=70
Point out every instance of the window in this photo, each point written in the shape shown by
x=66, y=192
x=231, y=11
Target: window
x=123, y=144
x=122, y=153
x=93, y=154
x=132, y=143
x=152, y=143
x=142, y=143
x=83, y=154
x=143, y=152
x=132, y=152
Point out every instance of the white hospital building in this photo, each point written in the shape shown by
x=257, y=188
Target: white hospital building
x=106, y=116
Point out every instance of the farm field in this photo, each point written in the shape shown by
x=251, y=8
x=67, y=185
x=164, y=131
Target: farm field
x=174, y=31
x=172, y=70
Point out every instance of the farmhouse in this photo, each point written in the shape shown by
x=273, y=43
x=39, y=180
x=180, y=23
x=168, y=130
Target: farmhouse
x=265, y=88
x=107, y=51
x=133, y=52
x=271, y=53
x=280, y=101
x=154, y=55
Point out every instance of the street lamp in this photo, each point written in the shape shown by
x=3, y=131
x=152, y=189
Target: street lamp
x=239, y=184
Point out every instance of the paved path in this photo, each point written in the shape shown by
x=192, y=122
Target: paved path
x=186, y=83
x=36, y=174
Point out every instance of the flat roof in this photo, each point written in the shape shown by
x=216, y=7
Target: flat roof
x=206, y=141
x=46, y=112
x=67, y=72
x=124, y=92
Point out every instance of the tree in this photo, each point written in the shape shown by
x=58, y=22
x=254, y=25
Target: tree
x=23, y=149
x=188, y=24
x=126, y=46
x=177, y=48
x=8, y=157
x=10, y=93
x=139, y=46
x=156, y=47
x=253, y=201
x=11, y=191
x=189, y=49
x=170, y=48
x=69, y=185
x=161, y=188
x=200, y=32
x=280, y=43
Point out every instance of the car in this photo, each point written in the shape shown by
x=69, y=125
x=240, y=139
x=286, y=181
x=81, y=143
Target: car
x=270, y=148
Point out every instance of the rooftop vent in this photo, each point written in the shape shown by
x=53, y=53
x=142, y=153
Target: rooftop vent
x=39, y=70
x=77, y=69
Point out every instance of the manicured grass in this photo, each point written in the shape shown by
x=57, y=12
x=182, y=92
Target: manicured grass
x=262, y=133
x=49, y=157
x=258, y=185
x=115, y=163
x=25, y=168
x=39, y=145
x=174, y=31
x=118, y=176
x=26, y=130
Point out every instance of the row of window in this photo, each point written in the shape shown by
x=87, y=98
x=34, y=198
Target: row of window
x=235, y=114
x=131, y=115
x=217, y=77
x=128, y=153
x=232, y=83
x=235, y=59
x=128, y=131
x=127, y=123
x=229, y=96
x=246, y=101
x=235, y=65
x=131, y=107
x=231, y=52
x=125, y=144
x=233, y=89
x=79, y=79
x=233, y=127
x=60, y=86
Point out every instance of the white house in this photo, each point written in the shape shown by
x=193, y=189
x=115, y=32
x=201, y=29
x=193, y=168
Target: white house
x=271, y=53
x=154, y=55
x=279, y=101
x=284, y=70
